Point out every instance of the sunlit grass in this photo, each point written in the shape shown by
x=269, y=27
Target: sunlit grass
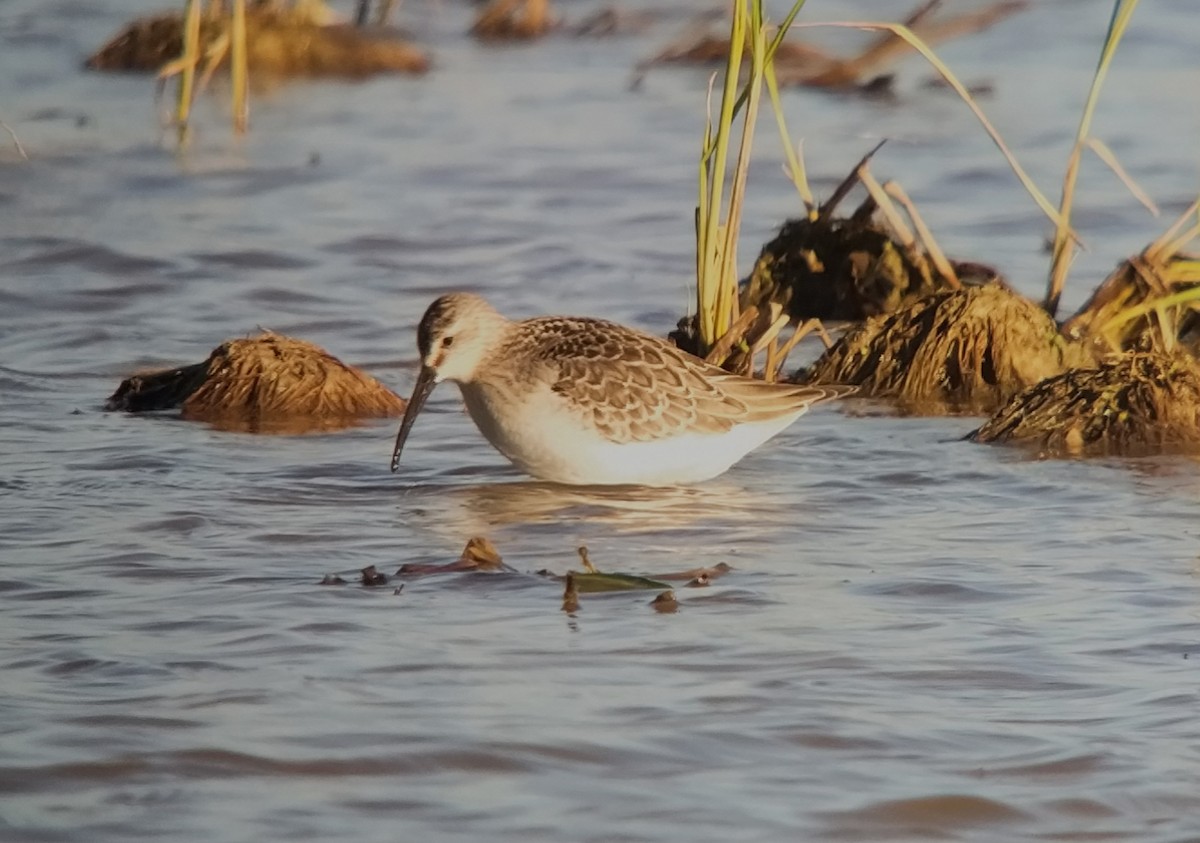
x=1063, y=250
x=230, y=42
x=1173, y=278
x=717, y=234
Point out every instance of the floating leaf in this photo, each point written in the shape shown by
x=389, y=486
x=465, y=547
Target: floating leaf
x=597, y=582
x=594, y=581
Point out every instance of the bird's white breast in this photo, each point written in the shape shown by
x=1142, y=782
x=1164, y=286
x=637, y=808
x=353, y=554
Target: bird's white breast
x=538, y=431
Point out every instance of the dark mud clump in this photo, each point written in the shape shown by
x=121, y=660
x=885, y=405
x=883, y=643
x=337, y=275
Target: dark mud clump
x=840, y=269
x=1132, y=404
x=280, y=44
x=967, y=350
x=372, y=578
x=266, y=382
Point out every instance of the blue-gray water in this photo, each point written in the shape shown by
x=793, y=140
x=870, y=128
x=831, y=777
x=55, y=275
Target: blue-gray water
x=923, y=638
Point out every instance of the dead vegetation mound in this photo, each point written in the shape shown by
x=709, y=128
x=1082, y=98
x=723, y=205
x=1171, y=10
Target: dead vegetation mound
x=514, y=20
x=280, y=44
x=966, y=350
x=843, y=269
x=269, y=382
x=1132, y=404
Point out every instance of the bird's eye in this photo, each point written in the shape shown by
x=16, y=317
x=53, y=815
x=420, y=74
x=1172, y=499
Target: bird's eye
x=447, y=342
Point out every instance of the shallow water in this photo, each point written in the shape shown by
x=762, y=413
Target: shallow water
x=923, y=638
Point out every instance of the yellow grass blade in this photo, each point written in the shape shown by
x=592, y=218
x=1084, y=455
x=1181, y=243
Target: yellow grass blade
x=1109, y=157
x=187, y=65
x=709, y=284
x=917, y=44
x=237, y=66
x=944, y=267
x=1063, y=247
x=794, y=153
x=1158, y=304
x=716, y=260
x=1172, y=241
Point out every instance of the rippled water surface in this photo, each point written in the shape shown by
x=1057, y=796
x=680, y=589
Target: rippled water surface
x=922, y=639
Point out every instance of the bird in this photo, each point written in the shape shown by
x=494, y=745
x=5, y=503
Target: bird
x=585, y=401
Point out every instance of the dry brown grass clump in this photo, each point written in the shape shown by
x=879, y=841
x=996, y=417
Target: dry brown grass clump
x=514, y=20
x=966, y=350
x=1132, y=404
x=280, y=44
x=269, y=382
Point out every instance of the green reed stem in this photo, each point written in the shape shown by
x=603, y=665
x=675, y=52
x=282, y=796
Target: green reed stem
x=716, y=241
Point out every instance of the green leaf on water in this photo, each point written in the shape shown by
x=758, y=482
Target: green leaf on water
x=593, y=583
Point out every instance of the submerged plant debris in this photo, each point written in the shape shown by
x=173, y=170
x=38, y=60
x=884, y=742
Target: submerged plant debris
x=372, y=577
x=599, y=583
x=706, y=574
x=570, y=599
x=967, y=350
x=1132, y=404
x=593, y=581
x=270, y=384
x=479, y=555
x=665, y=603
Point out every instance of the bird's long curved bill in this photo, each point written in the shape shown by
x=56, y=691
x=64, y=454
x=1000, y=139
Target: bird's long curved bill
x=426, y=381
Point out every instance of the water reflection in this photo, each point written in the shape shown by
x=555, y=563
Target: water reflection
x=621, y=509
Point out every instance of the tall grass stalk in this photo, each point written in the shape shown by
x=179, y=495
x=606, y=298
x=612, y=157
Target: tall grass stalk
x=188, y=61
x=1064, y=248
x=794, y=153
x=229, y=43
x=716, y=238
x=238, y=72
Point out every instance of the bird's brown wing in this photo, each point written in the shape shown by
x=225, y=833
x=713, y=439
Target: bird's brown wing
x=635, y=387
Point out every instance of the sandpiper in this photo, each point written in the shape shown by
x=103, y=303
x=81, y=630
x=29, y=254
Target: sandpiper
x=590, y=402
